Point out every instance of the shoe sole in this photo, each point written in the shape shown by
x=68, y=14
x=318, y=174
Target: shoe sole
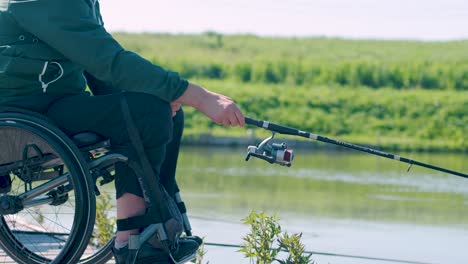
x=153, y=260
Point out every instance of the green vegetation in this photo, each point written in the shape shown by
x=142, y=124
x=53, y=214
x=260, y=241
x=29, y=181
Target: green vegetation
x=104, y=226
x=259, y=243
x=265, y=240
x=296, y=250
x=394, y=94
x=308, y=61
x=201, y=253
x=405, y=120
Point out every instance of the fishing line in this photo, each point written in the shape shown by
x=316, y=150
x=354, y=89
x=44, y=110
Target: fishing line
x=330, y=254
x=307, y=252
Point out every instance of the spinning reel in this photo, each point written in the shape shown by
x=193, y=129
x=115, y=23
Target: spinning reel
x=271, y=152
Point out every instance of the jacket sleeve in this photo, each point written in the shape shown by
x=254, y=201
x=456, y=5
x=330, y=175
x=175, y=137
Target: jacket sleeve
x=70, y=27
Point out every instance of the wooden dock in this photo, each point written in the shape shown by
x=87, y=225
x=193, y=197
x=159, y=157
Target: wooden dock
x=42, y=244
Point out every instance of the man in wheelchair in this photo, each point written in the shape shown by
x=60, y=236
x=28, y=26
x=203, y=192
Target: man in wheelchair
x=50, y=50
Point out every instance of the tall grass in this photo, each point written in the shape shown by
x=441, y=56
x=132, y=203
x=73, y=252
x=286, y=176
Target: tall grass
x=318, y=61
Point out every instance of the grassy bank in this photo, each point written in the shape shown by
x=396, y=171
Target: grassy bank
x=394, y=94
x=406, y=120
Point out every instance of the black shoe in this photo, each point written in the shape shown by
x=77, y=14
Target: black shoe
x=198, y=240
x=186, y=250
x=120, y=254
x=149, y=254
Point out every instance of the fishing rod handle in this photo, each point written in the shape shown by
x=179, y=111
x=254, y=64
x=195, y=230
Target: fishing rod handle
x=254, y=122
x=273, y=127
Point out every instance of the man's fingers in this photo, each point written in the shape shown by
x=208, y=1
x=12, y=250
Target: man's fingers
x=175, y=107
x=240, y=117
x=226, y=122
x=233, y=119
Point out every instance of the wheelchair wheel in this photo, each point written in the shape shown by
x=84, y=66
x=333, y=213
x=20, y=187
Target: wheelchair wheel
x=47, y=202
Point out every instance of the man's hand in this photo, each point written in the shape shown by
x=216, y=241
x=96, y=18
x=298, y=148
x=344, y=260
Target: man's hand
x=219, y=108
x=175, y=107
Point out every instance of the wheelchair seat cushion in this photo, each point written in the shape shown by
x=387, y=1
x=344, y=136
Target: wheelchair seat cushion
x=86, y=139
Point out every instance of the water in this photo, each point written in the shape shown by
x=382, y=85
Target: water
x=358, y=207
x=345, y=203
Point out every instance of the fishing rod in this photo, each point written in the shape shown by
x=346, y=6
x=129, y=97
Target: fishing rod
x=278, y=153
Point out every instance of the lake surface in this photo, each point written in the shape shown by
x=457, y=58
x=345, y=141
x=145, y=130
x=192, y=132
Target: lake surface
x=344, y=203
x=352, y=207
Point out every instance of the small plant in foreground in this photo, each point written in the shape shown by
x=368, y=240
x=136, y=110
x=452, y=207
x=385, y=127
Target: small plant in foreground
x=296, y=250
x=201, y=252
x=259, y=243
x=104, y=227
x=265, y=241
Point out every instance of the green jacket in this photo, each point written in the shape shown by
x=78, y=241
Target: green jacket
x=46, y=45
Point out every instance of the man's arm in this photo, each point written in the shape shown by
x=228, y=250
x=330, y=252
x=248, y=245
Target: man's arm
x=71, y=28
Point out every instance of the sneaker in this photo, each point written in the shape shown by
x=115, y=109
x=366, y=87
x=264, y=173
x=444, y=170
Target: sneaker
x=149, y=254
x=186, y=251
x=198, y=240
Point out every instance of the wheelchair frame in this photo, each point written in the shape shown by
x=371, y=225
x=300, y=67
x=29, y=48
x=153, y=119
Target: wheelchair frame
x=93, y=158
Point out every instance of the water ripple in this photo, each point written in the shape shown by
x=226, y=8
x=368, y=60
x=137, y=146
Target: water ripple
x=421, y=182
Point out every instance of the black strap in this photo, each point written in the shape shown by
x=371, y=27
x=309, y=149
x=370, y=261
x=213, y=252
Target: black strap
x=139, y=221
x=182, y=208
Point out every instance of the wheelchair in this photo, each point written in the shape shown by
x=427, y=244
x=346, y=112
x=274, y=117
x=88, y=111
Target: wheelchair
x=49, y=192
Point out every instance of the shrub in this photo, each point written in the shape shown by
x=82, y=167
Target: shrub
x=265, y=241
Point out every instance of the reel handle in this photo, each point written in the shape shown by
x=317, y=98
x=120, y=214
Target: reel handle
x=260, y=156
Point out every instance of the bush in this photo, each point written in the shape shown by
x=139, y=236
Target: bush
x=265, y=241
x=243, y=72
x=213, y=71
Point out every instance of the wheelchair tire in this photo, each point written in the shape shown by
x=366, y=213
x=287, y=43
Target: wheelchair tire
x=102, y=256
x=46, y=233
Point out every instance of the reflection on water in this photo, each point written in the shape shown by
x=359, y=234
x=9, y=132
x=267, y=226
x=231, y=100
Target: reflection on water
x=343, y=202
x=341, y=185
